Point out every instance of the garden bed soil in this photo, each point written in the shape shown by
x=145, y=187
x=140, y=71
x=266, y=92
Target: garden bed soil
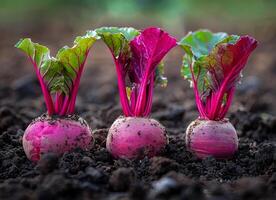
x=174, y=174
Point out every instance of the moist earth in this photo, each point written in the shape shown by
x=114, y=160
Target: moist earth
x=174, y=174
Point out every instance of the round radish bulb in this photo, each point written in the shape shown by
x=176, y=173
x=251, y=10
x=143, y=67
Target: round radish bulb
x=56, y=135
x=135, y=137
x=212, y=138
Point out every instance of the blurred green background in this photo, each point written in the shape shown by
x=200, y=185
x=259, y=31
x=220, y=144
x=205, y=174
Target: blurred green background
x=57, y=22
x=176, y=15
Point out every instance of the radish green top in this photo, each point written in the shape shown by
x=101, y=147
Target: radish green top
x=60, y=75
x=138, y=58
x=213, y=63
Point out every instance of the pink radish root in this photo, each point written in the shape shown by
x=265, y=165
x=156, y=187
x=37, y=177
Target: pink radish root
x=56, y=135
x=135, y=137
x=212, y=138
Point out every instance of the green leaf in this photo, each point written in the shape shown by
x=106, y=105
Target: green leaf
x=214, y=61
x=185, y=69
x=73, y=58
x=117, y=39
x=199, y=47
x=128, y=91
x=57, y=79
x=128, y=32
x=35, y=51
x=199, y=72
x=159, y=78
x=202, y=42
x=59, y=72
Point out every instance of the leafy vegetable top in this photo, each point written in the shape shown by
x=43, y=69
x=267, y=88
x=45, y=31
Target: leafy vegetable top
x=137, y=56
x=213, y=63
x=59, y=75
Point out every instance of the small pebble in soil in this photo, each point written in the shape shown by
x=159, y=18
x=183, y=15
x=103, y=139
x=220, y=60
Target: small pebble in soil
x=163, y=188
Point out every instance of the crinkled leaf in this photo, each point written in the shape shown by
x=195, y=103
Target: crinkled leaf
x=128, y=32
x=129, y=47
x=59, y=73
x=57, y=78
x=213, y=62
x=211, y=54
x=148, y=49
x=73, y=58
x=198, y=45
x=202, y=42
x=117, y=39
x=227, y=60
x=35, y=51
x=199, y=72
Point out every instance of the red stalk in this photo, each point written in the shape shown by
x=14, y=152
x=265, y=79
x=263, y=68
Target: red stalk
x=58, y=102
x=197, y=96
x=71, y=108
x=122, y=90
x=133, y=97
x=45, y=92
x=64, y=109
x=147, y=109
x=225, y=108
x=218, y=98
x=141, y=100
x=141, y=96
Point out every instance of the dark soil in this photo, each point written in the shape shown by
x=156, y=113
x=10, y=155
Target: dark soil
x=175, y=174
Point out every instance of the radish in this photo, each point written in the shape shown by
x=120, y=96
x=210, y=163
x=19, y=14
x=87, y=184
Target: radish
x=137, y=56
x=59, y=130
x=213, y=63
